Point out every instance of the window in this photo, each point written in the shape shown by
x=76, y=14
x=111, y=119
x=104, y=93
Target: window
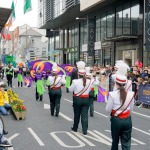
x=126, y=19
x=119, y=21
x=98, y=28
x=103, y=27
x=110, y=23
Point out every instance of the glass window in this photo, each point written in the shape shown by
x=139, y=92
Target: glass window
x=110, y=23
x=97, y=28
x=134, y=19
x=119, y=21
x=103, y=27
x=72, y=36
x=70, y=40
x=85, y=32
x=126, y=19
x=76, y=35
x=81, y=35
x=65, y=45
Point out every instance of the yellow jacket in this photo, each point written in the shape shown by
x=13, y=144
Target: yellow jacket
x=3, y=98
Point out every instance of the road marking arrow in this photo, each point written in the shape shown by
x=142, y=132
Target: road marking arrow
x=12, y=137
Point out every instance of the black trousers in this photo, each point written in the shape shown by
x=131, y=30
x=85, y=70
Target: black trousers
x=121, y=128
x=9, y=80
x=20, y=83
x=55, y=97
x=38, y=96
x=81, y=107
x=91, y=99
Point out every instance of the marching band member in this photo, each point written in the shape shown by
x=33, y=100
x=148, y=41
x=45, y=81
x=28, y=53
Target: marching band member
x=120, y=104
x=122, y=68
x=95, y=82
x=39, y=86
x=55, y=93
x=81, y=88
x=9, y=75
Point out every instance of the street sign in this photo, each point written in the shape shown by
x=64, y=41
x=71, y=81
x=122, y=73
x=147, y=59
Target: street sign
x=9, y=59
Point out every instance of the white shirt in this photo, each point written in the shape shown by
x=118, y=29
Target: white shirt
x=114, y=102
x=59, y=80
x=77, y=86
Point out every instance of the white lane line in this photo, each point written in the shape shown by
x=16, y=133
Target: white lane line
x=64, y=116
x=141, y=131
x=140, y=114
x=11, y=138
x=94, y=111
x=101, y=114
x=140, y=142
x=149, y=130
x=107, y=130
x=36, y=137
x=68, y=100
x=13, y=86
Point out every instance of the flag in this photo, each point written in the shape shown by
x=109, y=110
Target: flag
x=13, y=15
x=27, y=6
x=102, y=94
x=5, y=34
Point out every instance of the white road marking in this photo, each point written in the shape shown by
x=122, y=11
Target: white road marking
x=101, y=114
x=148, y=130
x=138, y=141
x=140, y=114
x=141, y=131
x=64, y=116
x=13, y=86
x=53, y=134
x=107, y=130
x=94, y=111
x=11, y=138
x=68, y=100
x=83, y=138
x=36, y=137
x=46, y=106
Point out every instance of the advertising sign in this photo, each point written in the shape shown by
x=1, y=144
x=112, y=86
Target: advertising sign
x=144, y=94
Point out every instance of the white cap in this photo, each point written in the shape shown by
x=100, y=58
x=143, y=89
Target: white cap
x=87, y=70
x=122, y=79
x=54, y=68
x=81, y=67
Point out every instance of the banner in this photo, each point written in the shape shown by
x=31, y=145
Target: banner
x=27, y=6
x=91, y=37
x=144, y=94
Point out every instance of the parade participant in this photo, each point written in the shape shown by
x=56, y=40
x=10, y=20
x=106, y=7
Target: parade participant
x=81, y=88
x=120, y=104
x=9, y=75
x=74, y=74
x=4, y=102
x=2, y=72
x=122, y=68
x=39, y=86
x=20, y=77
x=48, y=73
x=55, y=93
x=95, y=82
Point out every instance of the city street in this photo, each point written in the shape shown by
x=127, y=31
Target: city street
x=41, y=131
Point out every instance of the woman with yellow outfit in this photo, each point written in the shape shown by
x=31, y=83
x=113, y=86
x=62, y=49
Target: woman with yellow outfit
x=4, y=102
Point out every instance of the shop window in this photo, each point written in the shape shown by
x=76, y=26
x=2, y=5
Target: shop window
x=126, y=19
x=119, y=21
x=110, y=23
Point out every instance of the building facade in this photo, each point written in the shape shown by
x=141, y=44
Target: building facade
x=30, y=43
x=105, y=31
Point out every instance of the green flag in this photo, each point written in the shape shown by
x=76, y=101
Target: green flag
x=27, y=6
x=13, y=8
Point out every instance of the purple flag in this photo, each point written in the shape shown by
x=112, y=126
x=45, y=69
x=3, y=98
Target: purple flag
x=102, y=93
x=68, y=69
x=27, y=81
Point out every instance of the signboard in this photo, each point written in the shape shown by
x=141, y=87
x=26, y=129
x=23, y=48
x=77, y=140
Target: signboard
x=86, y=4
x=144, y=94
x=147, y=25
x=98, y=45
x=91, y=36
x=84, y=48
x=9, y=59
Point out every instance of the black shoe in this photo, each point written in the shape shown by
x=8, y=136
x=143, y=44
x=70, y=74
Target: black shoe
x=84, y=133
x=5, y=144
x=5, y=132
x=52, y=114
x=91, y=115
x=56, y=115
x=75, y=130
